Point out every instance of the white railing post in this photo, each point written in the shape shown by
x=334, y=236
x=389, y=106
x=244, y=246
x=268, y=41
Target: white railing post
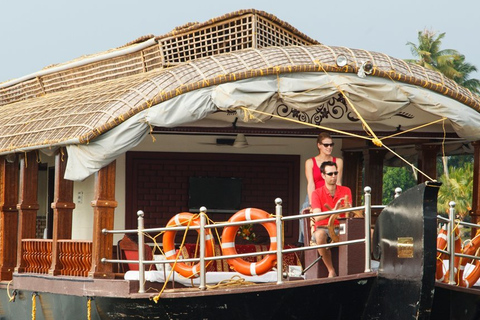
x=278, y=217
x=141, y=267
x=451, y=243
x=203, y=282
x=368, y=217
x=398, y=192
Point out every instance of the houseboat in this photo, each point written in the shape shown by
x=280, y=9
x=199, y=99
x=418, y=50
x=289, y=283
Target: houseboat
x=229, y=107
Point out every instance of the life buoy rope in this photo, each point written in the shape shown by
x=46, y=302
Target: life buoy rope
x=185, y=219
x=228, y=243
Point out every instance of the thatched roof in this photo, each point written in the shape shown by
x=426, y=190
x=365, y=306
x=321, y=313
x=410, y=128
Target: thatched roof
x=79, y=101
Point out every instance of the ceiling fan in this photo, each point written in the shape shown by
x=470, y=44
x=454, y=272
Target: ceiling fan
x=240, y=141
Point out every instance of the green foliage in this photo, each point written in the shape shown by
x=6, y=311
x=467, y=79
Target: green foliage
x=458, y=161
x=458, y=187
x=463, y=78
x=394, y=177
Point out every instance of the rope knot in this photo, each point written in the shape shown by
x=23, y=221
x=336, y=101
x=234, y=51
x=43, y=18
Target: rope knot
x=377, y=142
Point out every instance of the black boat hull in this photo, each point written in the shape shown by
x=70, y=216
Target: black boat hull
x=297, y=300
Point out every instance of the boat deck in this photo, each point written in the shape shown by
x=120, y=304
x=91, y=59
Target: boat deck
x=473, y=290
x=83, y=286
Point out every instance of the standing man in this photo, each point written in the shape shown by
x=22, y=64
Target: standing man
x=326, y=198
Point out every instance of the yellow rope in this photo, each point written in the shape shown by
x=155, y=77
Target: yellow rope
x=157, y=297
x=89, y=308
x=444, y=138
x=235, y=280
x=470, y=240
x=413, y=129
x=10, y=297
x=62, y=152
x=37, y=154
x=369, y=130
x=229, y=282
x=410, y=164
x=34, y=305
x=375, y=140
x=249, y=111
x=151, y=131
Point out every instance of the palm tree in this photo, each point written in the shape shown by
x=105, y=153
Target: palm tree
x=448, y=61
x=458, y=187
x=431, y=57
x=465, y=69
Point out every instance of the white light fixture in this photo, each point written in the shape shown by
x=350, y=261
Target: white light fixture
x=341, y=60
x=240, y=141
x=365, y=68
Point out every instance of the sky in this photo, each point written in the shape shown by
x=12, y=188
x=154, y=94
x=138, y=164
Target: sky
x=35, y=34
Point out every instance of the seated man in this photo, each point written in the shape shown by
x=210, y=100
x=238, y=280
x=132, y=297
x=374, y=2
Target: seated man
x=326, y=198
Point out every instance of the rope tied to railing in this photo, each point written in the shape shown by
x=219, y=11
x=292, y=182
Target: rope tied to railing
x=157, y=297
x=11, y=298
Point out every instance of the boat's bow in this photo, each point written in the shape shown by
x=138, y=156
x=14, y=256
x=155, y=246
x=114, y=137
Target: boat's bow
x=404, y=242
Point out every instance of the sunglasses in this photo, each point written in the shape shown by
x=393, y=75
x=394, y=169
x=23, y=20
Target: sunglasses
x=326, y=145
x=331, y=173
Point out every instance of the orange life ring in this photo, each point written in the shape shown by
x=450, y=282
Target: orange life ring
x=470, y=249
x=228, y=243
x=183, y=219
x=472, y=277
x=442, y=245
x=440, y=273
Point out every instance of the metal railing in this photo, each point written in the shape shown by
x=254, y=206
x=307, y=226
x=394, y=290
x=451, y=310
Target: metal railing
x=451, y=224
x=278, y=220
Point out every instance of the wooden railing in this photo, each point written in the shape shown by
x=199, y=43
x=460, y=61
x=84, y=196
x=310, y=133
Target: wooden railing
x=37, y=255
x=75, y=256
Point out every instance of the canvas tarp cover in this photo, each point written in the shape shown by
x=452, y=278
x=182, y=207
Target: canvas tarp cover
x=377, y=100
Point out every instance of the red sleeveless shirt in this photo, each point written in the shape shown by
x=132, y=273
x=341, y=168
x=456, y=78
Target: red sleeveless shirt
x=317, y=174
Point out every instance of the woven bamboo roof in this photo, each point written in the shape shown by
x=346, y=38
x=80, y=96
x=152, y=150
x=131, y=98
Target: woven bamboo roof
x=82, y=101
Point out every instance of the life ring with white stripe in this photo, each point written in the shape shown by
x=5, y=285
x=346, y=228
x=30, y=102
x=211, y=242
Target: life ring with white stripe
x=440, y=273
x=456, y=259
x=471, y=249
x=185, y=219
x=228, y=243
x=441, y=245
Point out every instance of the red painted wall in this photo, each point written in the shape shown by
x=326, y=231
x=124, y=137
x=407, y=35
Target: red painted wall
x=157, y=183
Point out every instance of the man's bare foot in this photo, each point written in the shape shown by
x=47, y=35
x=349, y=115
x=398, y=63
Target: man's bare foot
x=332, y=274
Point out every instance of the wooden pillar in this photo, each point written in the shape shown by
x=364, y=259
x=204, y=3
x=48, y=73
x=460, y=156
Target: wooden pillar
x=352, y=174
x=8, y=217
x=28, y=204
x=373, y=159
x=62, y=206
x=475, y=212
x=427, y=161
x=104, y=206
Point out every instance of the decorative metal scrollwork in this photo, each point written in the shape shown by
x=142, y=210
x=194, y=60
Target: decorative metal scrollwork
x=335, y=108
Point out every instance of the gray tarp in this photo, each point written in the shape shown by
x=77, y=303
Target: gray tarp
x=378, y=100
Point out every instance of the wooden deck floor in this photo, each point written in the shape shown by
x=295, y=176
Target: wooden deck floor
x=120, y=288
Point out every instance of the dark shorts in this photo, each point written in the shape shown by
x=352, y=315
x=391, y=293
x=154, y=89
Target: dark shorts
x=329, y=239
